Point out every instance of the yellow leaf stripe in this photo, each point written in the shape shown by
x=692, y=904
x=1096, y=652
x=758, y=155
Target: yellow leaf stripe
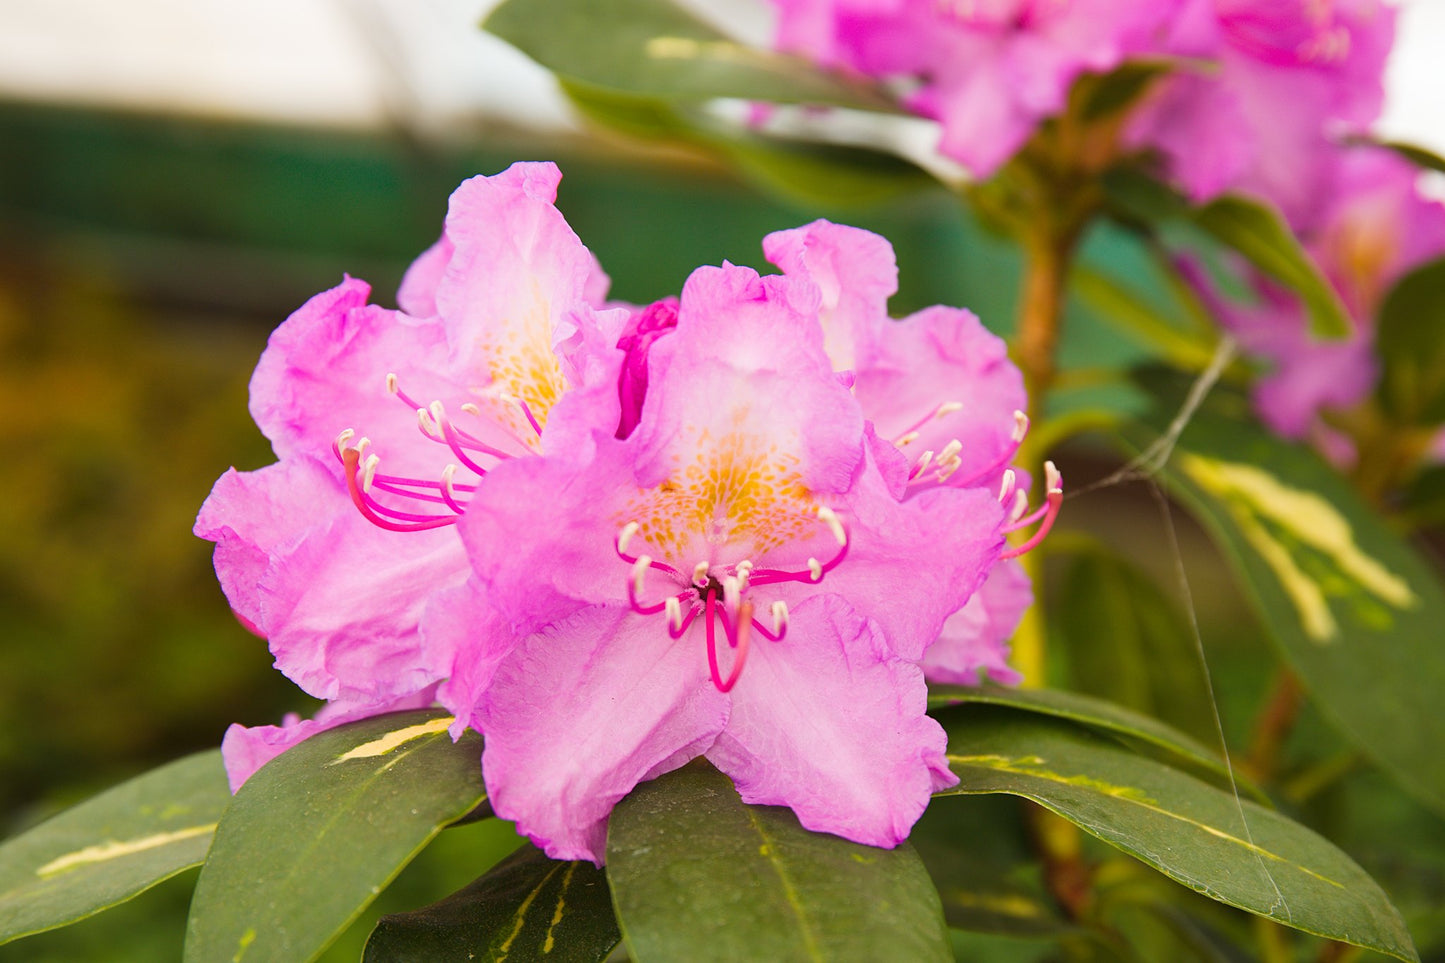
x=1032, y=766
x=390, y=741
x=104, y=852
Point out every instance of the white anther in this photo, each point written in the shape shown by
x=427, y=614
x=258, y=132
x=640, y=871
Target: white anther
x=391, y=383
x=815, y=569
x=1053, y=481
x=429, y=426
x=950, y=451
x=908, y=439
x=1021, y=505
x=780, y=616
x=946, y=469
x=732, y=590
x=923, y=463
x=745, y=568
x=639, y=569
x=948, y=408
x=674, y=613
x=447, y=474
x=625, y=536
x=368, y=471
x=472, y=409
x=699, y=572
x=437, y=411
x=1021, y=426
x=830, y=518
x=342, y=439
x=362, y=445
x=1010, y=481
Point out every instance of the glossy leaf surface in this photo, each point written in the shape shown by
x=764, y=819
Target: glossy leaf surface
x=112, y=847
x=698, y=874
x=320, y=830
x=1228, y=849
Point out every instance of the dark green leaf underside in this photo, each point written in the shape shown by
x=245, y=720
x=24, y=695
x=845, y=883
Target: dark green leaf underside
x=528, y=907
x=320, y=830
x=1232, y=851
x=112, y=847
x=697, y=874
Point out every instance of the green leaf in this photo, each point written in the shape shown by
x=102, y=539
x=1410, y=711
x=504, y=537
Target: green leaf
x=1352, y=607
x=1100, y=96
x=1419, y=156
x=1412, y=385
x=1098, y=714
x=110, y=848
x=528, y=907
x=1264, y=863
x=1260, y=234
x=1127, y=642
x=654, y=48
x=1249, y=227
x=828, y=175
x=698, y=874
x=320, y=830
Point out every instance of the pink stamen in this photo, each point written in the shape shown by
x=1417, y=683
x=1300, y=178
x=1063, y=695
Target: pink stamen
x=619, y=545
x=1054, y=499
x=943, y=410
x=372, y=510
x=741, y=643
x=816, y=570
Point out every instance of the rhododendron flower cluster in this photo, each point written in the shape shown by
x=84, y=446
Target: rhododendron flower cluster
x=1255, y=89
x=988, y=70
x=743, y=523
x=1262, y=92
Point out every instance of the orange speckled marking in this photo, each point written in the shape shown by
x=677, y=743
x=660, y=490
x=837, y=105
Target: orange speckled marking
x=521, y=362
x=739, y=489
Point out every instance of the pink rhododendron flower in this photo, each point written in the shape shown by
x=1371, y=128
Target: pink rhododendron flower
x=1264, y=89
x=988, y=70
x=505, y=331
x=764, y=474
x=752, y=573
x=1372, y=227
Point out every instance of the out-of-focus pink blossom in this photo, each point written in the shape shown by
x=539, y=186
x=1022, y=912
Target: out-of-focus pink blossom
x=989, y=70
x=1262, y=92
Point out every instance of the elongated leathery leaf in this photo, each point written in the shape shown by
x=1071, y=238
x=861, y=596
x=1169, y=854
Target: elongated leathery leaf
x=528, y=907
x=1229, y=850
x=1355, y=610
x=112, y=847
x=320, y=830
x=1097, y=714
x=698, y=874
x=1412, y=384
x=654, y=47
x=1254, y=230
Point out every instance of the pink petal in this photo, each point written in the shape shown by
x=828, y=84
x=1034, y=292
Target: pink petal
x=974, y=640
x=830, y=724
x=252, y=515
x=583, y=711
x=342, y=607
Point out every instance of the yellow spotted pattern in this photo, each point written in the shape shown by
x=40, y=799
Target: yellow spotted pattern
x=519, y=358
x=736, y=489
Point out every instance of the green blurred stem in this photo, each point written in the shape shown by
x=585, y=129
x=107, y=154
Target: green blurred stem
x=1273, y=725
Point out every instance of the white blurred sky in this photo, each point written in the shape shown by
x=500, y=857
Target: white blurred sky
x=414, y=63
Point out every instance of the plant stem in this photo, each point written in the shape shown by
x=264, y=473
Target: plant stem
x=1273, y=725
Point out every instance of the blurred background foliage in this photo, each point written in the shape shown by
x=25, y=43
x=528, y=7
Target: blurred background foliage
x=143, y=262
